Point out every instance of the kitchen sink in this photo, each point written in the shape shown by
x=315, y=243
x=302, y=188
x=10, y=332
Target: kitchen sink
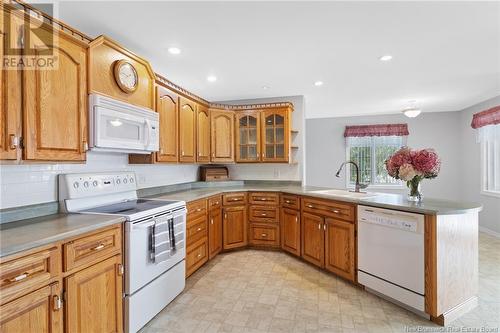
x=346, y=193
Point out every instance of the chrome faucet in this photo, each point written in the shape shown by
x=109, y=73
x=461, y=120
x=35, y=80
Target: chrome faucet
x=357, y=186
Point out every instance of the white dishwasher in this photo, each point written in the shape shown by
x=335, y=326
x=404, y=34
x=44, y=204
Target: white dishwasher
x=391, y=255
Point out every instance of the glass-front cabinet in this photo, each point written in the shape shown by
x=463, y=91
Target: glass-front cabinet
x=263, y=135
x=248, y=136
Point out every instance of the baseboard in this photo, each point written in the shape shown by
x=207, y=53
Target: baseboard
x=489, y=232
x=446, y=318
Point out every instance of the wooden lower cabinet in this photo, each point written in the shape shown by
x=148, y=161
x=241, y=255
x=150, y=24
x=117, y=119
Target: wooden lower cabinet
x=94, y=298
x=339, y=248
x=234, y=227
x=264, y=234
x=36, y=312
x=196, y=255
x=214, y=232
x=290, y=230
x=313, y=239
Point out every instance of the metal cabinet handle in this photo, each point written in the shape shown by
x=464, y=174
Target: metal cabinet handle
x=199, y=229
x=310, y=206
x=263, y=214
x=336, y=211
x=296, y=219
x=235, y=199
x=198, y=209
x=324, y=227
x=225, y=216
x=14, y=141
x=199, y=255
x=19, y=277
x=319, y=226
x=57, y=302
x=287, y=201
x=264, y=235
x=98, y=247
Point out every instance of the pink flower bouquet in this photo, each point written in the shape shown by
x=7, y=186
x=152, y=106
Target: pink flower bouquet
x=413, y=166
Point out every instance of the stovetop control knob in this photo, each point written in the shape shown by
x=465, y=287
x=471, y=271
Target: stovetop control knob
x=125, y=181
x=94, y=183
x=76, y=185
x=118, y=181
x=86, y=184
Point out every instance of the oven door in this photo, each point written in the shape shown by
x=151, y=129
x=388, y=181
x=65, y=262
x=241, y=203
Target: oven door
x=119, y=130
x=140, y=269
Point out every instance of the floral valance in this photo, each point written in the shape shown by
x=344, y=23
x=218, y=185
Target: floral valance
x=376, y=130
x=487, y=117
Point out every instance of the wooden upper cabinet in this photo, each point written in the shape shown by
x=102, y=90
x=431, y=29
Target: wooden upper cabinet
x=248, y=136
x=55, y=99
x=36, y=312
x=10, y=90
x=275, y=126
x=167, y=106
x=187, y=131
x=221, y=123
x=103, y=54
x=339, y=248
x=203, y=134
x=313, y=240
x=94, y=298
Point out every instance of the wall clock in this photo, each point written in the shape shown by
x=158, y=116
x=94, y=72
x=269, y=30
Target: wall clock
x=126, y=76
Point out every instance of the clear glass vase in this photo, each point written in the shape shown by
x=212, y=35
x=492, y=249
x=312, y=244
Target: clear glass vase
x=414, y=190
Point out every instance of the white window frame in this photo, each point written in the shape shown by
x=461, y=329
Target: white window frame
x=484, y=167
x=396, y=186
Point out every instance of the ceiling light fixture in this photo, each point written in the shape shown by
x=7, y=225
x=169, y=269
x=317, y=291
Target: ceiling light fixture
x=318, y=83
x=386, y=57
x=412, y=112
x=265, y=87
x=174, y=50
x=211, y=78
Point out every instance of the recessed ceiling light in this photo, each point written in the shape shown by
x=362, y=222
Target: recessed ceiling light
x=211, y=78
x=265, y=87
x=174, y=50
x=412, y=112
x=318, y=83
x=386, y=57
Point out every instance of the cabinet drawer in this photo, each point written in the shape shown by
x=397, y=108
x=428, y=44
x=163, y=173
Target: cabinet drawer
x=92, y=248
x=339, y=210
x=264, y=235
x=264, y=198
x=264, y=214
x=24, y=274
x=290, y=201
x=197, y=208
x=196, y=255
x=196, y=229
x=215, y=202
x=232, y=199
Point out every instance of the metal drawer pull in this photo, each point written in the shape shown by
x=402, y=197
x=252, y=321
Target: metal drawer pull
x=211, y=221
x=198, y=209
x=199, y=229
x=199, y=255
x=336, y=211
x=261, y=199
x=264, y=235
x=263, y=214
x=287, y=201
x=310, y=206
x=19, y=277
x=237, y=199
x=98, y=247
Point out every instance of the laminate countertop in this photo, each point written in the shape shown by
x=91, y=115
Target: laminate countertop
x=31, y=233
x=382, y=200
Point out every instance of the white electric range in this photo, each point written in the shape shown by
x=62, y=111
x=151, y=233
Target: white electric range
x=155, y=247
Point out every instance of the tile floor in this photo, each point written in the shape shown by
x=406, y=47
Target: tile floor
x=263, y=291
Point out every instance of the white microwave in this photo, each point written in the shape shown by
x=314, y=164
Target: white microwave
x=116, y=126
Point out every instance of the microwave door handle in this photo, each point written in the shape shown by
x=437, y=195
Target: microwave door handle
x=148, y=133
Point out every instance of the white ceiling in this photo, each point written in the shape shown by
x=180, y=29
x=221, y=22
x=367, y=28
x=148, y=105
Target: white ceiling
x=446, y=54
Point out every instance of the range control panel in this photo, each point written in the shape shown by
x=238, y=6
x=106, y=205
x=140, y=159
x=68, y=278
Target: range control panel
x=78, y=185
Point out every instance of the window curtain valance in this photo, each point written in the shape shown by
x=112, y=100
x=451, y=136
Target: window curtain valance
x=487, y=124
x=376, y=130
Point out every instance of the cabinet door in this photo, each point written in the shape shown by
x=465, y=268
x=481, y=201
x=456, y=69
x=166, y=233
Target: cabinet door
x=290, y=231
x=275, y=135
x=37, y=312
x=339, y=248
x=187, y=131
x=222, y=136
x=234, y=227
x=55, y=99
x=215, y=232
x=248, y=136
x=167, y=106
x=10, y=90
x=94, y=298
x=203, y=134
x=313, y=240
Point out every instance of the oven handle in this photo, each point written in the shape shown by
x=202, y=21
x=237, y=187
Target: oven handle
x=144, y=224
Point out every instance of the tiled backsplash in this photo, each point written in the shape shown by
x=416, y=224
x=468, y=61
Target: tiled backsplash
x=30, y=184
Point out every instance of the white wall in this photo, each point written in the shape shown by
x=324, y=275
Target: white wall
x=470, y=156
x=325, y=146
x=447, y=132
x=30, y=184
x=273, y=171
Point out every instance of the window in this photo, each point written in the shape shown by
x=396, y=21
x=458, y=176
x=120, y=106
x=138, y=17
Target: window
x=370, y=153
x=491, y=166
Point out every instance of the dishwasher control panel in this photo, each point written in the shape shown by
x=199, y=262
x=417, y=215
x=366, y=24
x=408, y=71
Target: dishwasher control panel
x=390, y=218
